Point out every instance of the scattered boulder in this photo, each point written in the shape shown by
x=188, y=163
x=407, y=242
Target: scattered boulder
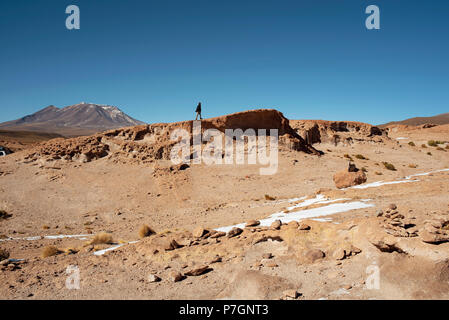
x=304, y=226
x=339, y=254
x=153, y=278
x=198, y=271
x=234, y=232
x=435, y=230
x=313, y=255
x=276, y=225
x=199, y=232
x=218, y=234
x=252, y=223
x=176, y=276
x=290, y=294
x=349, y=177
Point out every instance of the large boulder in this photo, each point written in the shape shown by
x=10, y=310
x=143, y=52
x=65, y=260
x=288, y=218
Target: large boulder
x=349, y=177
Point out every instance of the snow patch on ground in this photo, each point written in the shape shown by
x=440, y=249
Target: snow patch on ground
x=308, y=213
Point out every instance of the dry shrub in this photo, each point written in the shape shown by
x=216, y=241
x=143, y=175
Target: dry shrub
x=347, y=156
x=423, y=146
x=412, y=144
x=378, y=173
x=389, y=166
x=361, y=157
x=102, y=238
x=440, y=149
x=413, y=166
x=145, y=231
x=364, y=169
x=429, y=153
x=50, y=251
x=4, y=254
x=447, y=147
x=432, y=143
x=45, y=227
x=267, y=197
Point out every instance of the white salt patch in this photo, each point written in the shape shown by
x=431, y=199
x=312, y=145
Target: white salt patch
x=306, y=214
x=425, y=173
x=60, y=236
x=102, y=252
x=401, y=138
x=378, y=184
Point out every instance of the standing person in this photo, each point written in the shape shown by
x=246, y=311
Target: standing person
x=198, y=111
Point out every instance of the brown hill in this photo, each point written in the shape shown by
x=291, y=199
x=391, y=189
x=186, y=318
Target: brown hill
x=437, y=120
x=19, y=140
x=151, y=142
x=322, y=131
x=76, y=120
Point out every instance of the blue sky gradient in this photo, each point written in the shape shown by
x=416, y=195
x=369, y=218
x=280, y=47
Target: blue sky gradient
x=155, y=60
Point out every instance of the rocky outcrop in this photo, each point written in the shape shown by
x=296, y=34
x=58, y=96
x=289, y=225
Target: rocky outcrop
x=335, y=132
x=146, y=143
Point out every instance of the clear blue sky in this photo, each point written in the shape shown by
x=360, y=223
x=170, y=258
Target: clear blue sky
x=155, y=60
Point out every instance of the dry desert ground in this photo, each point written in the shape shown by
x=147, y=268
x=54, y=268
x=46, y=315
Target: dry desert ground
x=226, y=231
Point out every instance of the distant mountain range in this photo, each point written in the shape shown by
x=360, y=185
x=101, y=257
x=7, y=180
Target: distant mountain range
x=79, y=119
x=438, y=120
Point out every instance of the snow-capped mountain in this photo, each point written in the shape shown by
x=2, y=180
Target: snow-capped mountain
x=82, y=118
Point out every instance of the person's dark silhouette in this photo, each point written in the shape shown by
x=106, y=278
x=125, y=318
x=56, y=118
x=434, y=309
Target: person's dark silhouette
x=198, y=111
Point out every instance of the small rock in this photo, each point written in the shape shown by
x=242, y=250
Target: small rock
x=199, y=232
x=379, y=213
x=276, y=225
x=314, y=254
x=153, y=278
x=218, y=234
x=234, y=232
x=339, y=254
x=392, y=206
x=216, y=259
x=291, y=293
x=267, y=256
x=293, y=224
x=252, y=223
x=304, y=226
x=197, y=271
x=176, y=276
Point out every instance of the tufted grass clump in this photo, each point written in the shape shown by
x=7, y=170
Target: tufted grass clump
x=50, y=251
x=145, y=231
x=361, y=157
x=389, y=166
x=102, y=238
x=411, y=144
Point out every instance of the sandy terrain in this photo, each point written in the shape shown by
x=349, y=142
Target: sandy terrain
x=331, y=254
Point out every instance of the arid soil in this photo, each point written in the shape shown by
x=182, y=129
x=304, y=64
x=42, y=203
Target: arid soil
x=372, y=241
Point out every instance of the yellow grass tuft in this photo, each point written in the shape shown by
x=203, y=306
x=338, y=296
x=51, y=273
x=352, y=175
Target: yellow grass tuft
x=102, y=238
x=50, y=251
x=361, y=157
x=267, y=197
x=145, y=231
